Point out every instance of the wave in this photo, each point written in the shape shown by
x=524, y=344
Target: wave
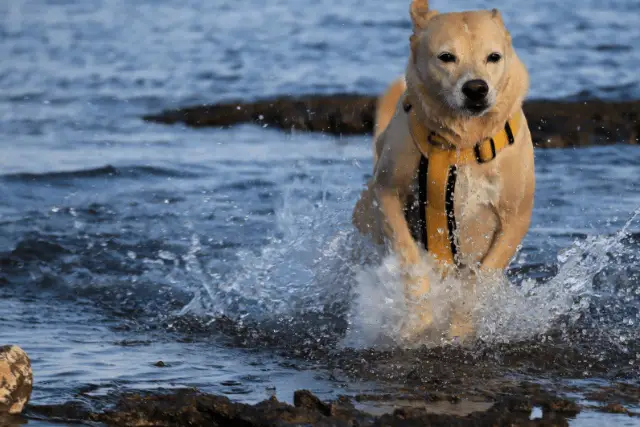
x=108, y=171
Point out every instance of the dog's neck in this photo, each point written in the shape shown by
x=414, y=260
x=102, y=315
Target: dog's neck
x=465, y=131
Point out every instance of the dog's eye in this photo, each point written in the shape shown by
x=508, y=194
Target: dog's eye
x=494, y=57
x=447, y=57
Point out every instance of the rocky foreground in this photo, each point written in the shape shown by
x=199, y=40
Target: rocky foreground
x=553, y=124
x=191, y=408
x=453, y=399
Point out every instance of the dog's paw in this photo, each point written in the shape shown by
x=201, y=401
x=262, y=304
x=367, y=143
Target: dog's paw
x=416, y=324
x=460, y=332
x=419, y=315
x=450, y=341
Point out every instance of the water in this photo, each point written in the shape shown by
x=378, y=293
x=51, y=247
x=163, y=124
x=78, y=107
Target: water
x=123, y=243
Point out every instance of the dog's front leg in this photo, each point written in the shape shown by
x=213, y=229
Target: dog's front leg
x=513, y=211
x=461, y=322
x=416, y=287
x=394, y=173
x=505, y=244
x=396, y=228
x=502, y=249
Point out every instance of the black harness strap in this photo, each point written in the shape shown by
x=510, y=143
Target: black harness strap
x=509, y=132
x=449, y=207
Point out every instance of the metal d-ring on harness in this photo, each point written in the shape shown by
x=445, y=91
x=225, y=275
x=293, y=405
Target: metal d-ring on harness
x=437, y=174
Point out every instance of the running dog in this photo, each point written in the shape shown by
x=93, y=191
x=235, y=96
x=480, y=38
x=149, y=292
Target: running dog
x=453, y=158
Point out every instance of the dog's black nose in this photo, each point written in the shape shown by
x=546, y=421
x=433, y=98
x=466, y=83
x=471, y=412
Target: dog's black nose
x=475, y=90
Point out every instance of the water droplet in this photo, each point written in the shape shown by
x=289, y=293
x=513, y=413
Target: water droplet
x=166, y=255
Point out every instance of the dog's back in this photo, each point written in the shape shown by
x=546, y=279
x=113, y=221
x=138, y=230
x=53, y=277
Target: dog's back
x=385, y=109
x=386, y=105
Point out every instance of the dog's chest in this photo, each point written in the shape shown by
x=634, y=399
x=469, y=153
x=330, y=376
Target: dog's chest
x=471, y=196
x=475, y=191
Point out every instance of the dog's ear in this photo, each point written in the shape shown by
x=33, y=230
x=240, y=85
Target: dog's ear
x=413, y=43
x=497, y=16
x=420, y=14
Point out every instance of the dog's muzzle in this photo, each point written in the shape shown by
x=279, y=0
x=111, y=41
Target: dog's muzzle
x=475, y=93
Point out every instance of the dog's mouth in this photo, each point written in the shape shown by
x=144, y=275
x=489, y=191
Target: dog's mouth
x=476, y=108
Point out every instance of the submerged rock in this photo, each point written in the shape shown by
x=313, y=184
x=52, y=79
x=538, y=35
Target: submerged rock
x=553, y=124
x=16, y=379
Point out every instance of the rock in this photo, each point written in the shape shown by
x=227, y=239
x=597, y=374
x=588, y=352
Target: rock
x=615, y=408
x=559, y=405
x=553, y=124
x=16, y=379
x=336, y=114
x=305, y=399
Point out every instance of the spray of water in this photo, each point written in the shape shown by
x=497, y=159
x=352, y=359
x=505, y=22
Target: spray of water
x=305, y=268
x=503, y=312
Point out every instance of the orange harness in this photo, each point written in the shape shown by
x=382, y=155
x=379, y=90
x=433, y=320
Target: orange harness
x=437, y=175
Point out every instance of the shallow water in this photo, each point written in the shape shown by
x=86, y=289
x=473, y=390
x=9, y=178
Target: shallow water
x=121, y=241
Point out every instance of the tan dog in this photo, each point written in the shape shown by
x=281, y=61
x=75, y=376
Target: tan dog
x=454, y=168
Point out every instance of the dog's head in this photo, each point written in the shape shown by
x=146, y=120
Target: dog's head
x=461, y=59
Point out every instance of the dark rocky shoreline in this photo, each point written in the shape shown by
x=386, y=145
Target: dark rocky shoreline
x=189, y=407
x=553, y=124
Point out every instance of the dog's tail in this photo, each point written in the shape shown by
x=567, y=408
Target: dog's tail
x=387, y=103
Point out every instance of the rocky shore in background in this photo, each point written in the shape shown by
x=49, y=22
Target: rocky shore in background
x=553, y=124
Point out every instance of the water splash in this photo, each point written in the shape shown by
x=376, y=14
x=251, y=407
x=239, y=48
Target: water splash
x=305, y=268
x=317, y=263
x=503, y=311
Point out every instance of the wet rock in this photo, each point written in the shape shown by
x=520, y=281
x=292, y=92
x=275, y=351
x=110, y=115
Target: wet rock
x=305, y=399
x=553, y=124
x=518, y=404
x=189, y=408
x=16, y=379
x=615, y=408
x=335, y=114
x=69, y=411
x=561, y=406
x=615, y=393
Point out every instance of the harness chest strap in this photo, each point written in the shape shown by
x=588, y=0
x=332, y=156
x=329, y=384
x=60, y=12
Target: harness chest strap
x=437, y=174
